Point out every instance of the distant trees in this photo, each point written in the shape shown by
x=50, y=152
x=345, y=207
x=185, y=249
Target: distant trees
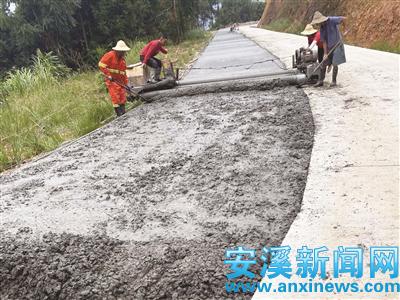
x=238, y=11
x=73, y=29
x=35, y=24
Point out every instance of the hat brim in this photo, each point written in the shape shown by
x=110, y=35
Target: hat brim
x=121, y=49
x=319, y=20
x=308, y=32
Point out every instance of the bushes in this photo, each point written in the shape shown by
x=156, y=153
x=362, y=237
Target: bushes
x=17, y=81
x=386, y=46
x=46, y=68
x=180, y=53
x=41, y=108
x=195, y=34
x=46, y=104
x=136, y=46
x=285, y=25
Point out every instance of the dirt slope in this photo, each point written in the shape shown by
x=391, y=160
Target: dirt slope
x=372, y=22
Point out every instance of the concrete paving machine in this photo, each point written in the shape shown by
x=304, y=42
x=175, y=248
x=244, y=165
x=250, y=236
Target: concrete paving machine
x=138, y=77
x=306, y=61
x=305, y=70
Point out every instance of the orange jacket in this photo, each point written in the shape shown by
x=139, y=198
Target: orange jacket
x=111, y=65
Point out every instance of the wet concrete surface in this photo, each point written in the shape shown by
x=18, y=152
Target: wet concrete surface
x=145, y=207
x=230, y=54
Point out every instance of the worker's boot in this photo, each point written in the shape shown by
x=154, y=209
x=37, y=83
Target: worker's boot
x=321, y=78
x=334, y=76
x=157, y=74
x=152, y=78
x=120, y=110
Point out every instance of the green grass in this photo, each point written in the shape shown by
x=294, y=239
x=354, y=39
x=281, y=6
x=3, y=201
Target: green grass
x=45, y=105
x=50, y=113
x=180, y=53
x=385, y=46
x=133, y=55
x=285, y=25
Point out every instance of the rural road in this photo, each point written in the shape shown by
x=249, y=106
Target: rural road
x=352, y=192
x=145, y=207
x=231, y=55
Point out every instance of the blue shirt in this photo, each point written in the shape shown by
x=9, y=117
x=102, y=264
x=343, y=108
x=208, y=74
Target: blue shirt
x=330, y=31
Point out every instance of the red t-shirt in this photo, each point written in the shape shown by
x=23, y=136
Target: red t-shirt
x=152, y=49
x=315, y=37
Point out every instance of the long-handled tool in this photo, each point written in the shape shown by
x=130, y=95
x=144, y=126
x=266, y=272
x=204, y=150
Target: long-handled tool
x=329, y=53
x=127, y=88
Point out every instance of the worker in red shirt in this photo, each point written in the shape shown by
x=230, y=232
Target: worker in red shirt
x=113, y=65
x=148, y=53
x=313, y=37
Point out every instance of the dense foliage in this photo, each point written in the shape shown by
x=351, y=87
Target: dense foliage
x=45, y=103
x=78, y=30
x=238, y=11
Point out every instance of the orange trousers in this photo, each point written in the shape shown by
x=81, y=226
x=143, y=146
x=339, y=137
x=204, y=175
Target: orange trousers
x=117, y=93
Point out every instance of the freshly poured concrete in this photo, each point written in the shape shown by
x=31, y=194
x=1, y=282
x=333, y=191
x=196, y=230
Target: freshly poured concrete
x=145, y=207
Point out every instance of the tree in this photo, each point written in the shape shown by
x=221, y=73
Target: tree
x=207, y=10
x=238, y=11
x=72, y=29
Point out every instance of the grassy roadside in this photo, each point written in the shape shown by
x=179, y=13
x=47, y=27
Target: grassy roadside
x=40, y=107
x=180, y=54
x=385, y=46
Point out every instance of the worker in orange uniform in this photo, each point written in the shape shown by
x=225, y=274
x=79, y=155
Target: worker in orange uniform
x=113, y=65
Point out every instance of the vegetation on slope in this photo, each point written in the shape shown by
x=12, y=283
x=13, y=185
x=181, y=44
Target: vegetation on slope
x=373, y=24
x=46, y=104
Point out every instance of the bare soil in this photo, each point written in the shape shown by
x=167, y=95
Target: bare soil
x=369, y=21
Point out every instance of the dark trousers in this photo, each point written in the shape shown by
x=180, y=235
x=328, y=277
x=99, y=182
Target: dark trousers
x=120, y=110
x=153, y=62
x=326, y=64
x=320, y=54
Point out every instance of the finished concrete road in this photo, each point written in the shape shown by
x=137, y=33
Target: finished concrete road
x=145, y=207
x=352, y=192
x=232, y=55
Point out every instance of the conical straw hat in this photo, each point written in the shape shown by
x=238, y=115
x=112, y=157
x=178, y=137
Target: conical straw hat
x=309, y=30
x=121, y=46
x=318, y=18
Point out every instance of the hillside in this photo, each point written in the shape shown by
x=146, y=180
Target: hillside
x=373, y=23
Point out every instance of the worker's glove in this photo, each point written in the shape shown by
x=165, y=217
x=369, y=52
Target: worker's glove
x=110, y=78
x=325, y=56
